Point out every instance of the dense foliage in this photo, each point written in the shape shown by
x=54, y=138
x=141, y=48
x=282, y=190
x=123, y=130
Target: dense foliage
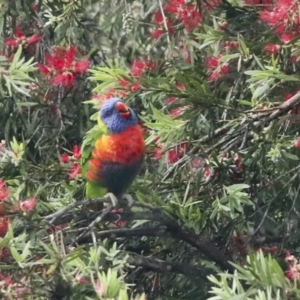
x=216, y=86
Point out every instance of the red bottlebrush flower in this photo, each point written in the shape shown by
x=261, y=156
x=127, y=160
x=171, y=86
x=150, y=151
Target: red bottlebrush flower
x=175, y=154
x=214, y=76
x=231, y=44
x=12, y=42
x=140, y=66
x=99, y=97
x=288, y=96
x=297, y=143
x=272, y=48
x=292, y=273
x=186, y=55
x=286, y=37
x=216, y=67
x=188, y=59
x=173, y=157
x=258, y=2
x=76, y=152
x=66, y=79
x=4, y=192
x=69, y=57
x=136, y=87
x=44, y=69
x=284, y=17
x=158, y=18
x=196, y=163
x=238, y=159
x=28, y=205
x=6, y=279
x=289, y=257
x=175, y=6
x=124, y=83
x=110, y=93
x=222, y=26
x=64, y=158
x=187, y=14
x=61, y=63
x=75, y=170
x=271, y=17
x=157, y=153
x=191, y=17
x=21, y=38
x=3, y=226
x=157, y=33
x=212, y=62
x=180, y=86
x=151, y=65
x=19, y=33
x=213, y=3
x=82, y=66
x=33, y=39
x=34, y=6
x=207, y=171
x=54, y=62
x=175, y=112
x=171, y=100
x=159, y=21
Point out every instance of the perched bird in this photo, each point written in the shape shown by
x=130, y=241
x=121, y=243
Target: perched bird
x=118, y=151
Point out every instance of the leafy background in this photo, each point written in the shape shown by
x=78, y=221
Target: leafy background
x=215, y=84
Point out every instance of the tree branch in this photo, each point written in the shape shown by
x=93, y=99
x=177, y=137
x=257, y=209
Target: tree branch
x=53, y=217
x=128, y=232
x=259, y=119
x=196, y=240
x=158, y=265
x=173, y=228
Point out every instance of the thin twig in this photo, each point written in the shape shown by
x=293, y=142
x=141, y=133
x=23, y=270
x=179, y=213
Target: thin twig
x=95, y=222
x=165, y=23
x=61, y=212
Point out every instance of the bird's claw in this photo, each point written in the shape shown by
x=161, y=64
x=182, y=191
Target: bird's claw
x=129, y=199
x=113, y=199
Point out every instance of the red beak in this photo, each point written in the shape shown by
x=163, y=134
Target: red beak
x=123, y=110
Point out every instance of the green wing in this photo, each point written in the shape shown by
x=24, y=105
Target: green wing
x=92, y=190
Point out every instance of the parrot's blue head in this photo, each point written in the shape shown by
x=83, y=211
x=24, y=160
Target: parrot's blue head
x=117, y=116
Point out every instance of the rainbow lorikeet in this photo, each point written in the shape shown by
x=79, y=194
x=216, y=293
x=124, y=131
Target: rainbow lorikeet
x=117, y=154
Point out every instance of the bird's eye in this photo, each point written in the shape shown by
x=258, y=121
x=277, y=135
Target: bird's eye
x=108, y=113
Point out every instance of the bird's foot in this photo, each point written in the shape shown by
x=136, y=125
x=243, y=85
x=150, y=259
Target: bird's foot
x=129, y=199
x=113, y=199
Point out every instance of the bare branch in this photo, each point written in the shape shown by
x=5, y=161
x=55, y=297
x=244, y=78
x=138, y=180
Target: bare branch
x=172, y=227
x=158, y=265
x=97, y=220
x=128, y=232
x=53, y=217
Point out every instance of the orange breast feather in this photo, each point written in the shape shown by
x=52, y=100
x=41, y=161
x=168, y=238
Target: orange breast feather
x=123, y=148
